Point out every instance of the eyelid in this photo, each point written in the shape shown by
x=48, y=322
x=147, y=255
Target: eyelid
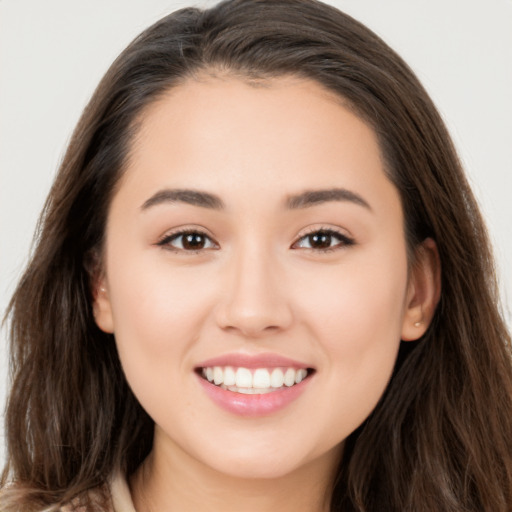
x=345, y=240
x=165, y=240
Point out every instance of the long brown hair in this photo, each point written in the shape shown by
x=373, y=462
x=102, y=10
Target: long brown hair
x=441, y=436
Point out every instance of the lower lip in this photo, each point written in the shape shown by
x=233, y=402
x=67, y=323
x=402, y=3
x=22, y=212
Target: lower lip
x=253, y=405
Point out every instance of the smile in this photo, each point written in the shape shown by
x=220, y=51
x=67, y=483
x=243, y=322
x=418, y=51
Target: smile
x=254, y=385
x=257, y=381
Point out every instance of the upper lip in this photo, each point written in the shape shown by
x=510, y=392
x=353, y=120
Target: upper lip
x=251, y=361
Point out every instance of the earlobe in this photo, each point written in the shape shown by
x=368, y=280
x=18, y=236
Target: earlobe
x=424, y=291
x=102, y=308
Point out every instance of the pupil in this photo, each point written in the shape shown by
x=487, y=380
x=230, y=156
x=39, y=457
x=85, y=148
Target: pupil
x=320, y=240
x=193, y=241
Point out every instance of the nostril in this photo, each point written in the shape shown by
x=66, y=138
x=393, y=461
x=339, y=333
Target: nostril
x=253, y=310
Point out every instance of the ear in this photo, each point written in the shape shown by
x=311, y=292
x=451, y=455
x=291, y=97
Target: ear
x=102, y=308
x=423, y=291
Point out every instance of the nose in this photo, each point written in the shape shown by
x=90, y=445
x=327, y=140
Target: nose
x=254, y=302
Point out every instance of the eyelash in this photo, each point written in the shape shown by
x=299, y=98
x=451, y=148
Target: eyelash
x=165, y=242
x=344, y=241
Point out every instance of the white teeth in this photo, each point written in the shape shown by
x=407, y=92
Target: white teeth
x=257, y=381
x=229, y=376
x=218, y=375
x=277, y=378
x=289, y=377
x=246, y=391
x=261, y=379
x=300, y=375
x=243, y=378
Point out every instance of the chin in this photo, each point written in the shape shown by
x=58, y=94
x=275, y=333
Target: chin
x=274, y=462
x=257, y=469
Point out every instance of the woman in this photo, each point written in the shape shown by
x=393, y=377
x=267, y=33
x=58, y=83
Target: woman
x=261, y=282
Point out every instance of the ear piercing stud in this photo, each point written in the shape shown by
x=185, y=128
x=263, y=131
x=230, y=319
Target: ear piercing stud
x=418, y=324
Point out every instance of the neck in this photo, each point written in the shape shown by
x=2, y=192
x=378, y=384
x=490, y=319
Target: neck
x=181, y=483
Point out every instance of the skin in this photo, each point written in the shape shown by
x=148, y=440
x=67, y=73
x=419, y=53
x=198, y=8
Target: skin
x=258, y=285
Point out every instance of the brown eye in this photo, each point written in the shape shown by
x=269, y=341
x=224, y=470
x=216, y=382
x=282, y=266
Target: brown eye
x=187, y=241
x=320, y=240
x=193, y=241
x=323, y=240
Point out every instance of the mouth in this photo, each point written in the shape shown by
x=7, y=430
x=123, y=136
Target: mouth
x=254, y=385
x=254, y=381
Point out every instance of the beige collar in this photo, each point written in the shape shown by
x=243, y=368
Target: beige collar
x=121, y=497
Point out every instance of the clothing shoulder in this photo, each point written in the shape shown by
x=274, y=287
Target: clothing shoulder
x=120, y=492
x=113, y=497
x=119, y=498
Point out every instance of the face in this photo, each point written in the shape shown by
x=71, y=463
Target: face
x=255, y=274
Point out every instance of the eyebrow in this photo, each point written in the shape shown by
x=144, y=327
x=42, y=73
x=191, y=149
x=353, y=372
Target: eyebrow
x=314, y=197
x=305, y=199
x=192, y=197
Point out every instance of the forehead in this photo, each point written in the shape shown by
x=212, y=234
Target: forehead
x=276, y=136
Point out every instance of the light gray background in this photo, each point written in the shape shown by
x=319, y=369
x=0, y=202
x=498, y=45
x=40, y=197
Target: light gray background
x=54, y=52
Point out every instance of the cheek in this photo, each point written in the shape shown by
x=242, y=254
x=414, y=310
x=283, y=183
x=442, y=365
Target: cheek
x=157, y=315
x=357, y=322
x=359, y=302
x=149, y=294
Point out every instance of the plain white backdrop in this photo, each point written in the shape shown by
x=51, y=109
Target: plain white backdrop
x=53, y=53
